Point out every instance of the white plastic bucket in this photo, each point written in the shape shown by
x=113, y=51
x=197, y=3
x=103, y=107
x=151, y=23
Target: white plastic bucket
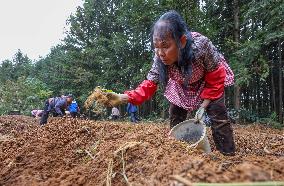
x=192, y=133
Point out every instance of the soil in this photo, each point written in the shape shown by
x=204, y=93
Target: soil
x=80, y=152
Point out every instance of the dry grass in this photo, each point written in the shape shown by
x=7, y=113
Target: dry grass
x=102, y=99
x=4, y=138
x=97, y=95
x=118, y=155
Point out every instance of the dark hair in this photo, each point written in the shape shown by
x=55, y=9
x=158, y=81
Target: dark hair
x=70, y=96
x=175, y=27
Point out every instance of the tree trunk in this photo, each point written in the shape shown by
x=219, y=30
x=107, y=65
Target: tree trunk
x=273, y=90
x=265, y=102
x=237, y=92
x=254, y=96
x=258, y=97
x=280, y=84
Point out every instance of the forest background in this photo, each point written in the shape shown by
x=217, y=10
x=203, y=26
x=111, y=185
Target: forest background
x=108, y=45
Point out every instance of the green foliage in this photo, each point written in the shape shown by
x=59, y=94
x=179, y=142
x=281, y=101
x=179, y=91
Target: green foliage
x=108, y=45
x=5, y=71
x=248, y=116
x=271, y=121
x=24, y=95
x=20, y=66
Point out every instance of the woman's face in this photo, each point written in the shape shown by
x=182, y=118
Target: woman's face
x=166, y=49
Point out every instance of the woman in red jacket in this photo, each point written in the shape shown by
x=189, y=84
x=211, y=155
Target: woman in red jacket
x=193, y=74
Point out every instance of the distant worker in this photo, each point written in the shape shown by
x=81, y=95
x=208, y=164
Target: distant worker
x=36, y=113
x=132, y=111
x=74, y=109
x=115, y=113
x=57, y=106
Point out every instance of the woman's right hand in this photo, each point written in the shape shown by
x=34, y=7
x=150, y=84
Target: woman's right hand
x=115, y=99
x=124, y=98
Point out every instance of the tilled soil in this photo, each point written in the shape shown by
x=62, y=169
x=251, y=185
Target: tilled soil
x=80, y=152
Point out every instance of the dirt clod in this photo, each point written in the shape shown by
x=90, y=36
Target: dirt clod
x=80, y=152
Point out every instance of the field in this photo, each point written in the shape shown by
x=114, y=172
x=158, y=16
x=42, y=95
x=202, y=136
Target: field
x=82, y=152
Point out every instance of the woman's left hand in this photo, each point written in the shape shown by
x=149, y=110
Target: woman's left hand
x=199, y=114
x=201, y=111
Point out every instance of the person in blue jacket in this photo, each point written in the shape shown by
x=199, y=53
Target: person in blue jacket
x=132, y=111
x=56, y=106
x=74, y=109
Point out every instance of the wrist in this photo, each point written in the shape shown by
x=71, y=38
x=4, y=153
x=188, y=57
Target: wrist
x=124, y=98
x=205, y=103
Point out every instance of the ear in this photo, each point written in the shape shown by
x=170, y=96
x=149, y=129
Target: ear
x=183, y=40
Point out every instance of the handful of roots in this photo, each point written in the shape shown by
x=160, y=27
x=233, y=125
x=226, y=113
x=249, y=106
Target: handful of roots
x=102, y=97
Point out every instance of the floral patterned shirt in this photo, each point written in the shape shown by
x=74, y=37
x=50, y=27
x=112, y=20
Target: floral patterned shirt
x=206, y=59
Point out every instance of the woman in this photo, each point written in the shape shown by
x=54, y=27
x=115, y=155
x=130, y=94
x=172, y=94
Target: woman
x=193, y=74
